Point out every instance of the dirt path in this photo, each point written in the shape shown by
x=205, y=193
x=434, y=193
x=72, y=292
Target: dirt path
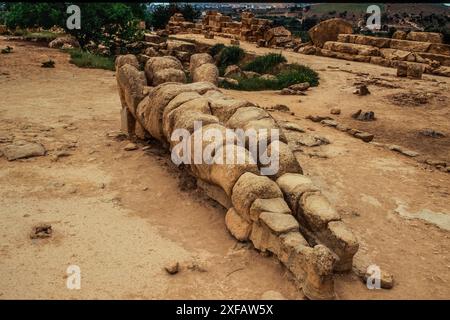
x=121, y=215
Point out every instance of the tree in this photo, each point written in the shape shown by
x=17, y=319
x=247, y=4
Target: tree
x=24, y=15
x=162, y=13
x=105, y=23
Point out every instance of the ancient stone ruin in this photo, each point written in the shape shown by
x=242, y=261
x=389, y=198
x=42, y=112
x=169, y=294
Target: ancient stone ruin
x=413, y=53
x=248, y=29
x=284, y=214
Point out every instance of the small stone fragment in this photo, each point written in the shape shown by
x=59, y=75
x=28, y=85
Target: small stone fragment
x=335, y=111
x=130, y=147
x=172, y=267
x=41, y=231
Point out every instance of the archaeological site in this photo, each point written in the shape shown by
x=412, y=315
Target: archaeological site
x=225, y=152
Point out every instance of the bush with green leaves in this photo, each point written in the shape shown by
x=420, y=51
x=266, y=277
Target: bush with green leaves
x=100, y=22
x=291, y=74
x=160, y=16
x=27, y=15
x=229, y=56
x=266, y=63
x=85, y=59
x=104, y=22
x=215, y=49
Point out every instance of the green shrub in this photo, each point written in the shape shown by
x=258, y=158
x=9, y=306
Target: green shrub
x=43, y=35
x=230, y=55
x=253, y=84
x=215, y=49
x=85, y=59
x=297, y=73
x=265, y=63
x=292, y=74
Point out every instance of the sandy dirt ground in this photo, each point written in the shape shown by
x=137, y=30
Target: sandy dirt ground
x=121, y=216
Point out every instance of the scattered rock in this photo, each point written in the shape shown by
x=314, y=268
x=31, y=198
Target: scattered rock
x=409, y=98
x=335, y=111
x=434, y=162
x=329, y=30
x=280, y=107
x=386, y=281
x=329, y=123
x=364, y=136
x=23, y=150
x=402, y=150
x=130, y=147
x=172, y=267
x=230, y=81
x=233, y=71
x=364, y=116
x=361, y=90
x=291, y=126
x=41, y=231
x=48, y=64
x=300, y=86
x=7, y=50
x=432, y=133
x=318, y=118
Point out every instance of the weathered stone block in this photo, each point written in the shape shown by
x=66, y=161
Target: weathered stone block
x=250, y=187
x=238, y=226
x=315, y=211
x=276, y=205
x=293, y=185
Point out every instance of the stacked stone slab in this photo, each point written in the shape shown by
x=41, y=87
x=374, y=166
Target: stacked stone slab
x=282, y=213
x=248, y=29
x=419, y=50
x=177, y=24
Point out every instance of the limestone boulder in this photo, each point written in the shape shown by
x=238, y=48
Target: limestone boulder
x=287, y=162
x=277, y=205
x=412, y=46
x=350, y=48
x=206, y=72
x=277, y=32
x=238, y=226
x=315, y=211
x=151, y=52
x=131, y=59
x=250, y=187
x=167, y=117
x=178, y=45
x=233, y=71
x=198, y=59
x=224, y=107
x=23, y=150
x=231, y=162
x=58, y=43
x=432, y=37
x=399, y=35
x=329, y=30
x=395, y=54
x=373, y=41
x=168, y=75
x=438, y=48
x=150, y=114
x=293, y=186
x=131, y=83
x=156, y=64
x=279, y=223
x=243, y=115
